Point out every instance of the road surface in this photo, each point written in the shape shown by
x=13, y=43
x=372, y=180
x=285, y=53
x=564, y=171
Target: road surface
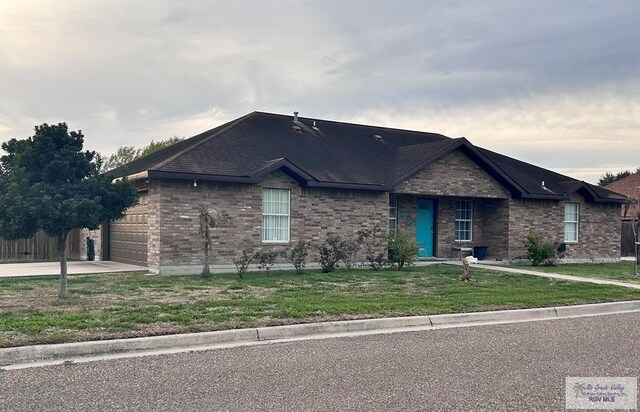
x=511, y=367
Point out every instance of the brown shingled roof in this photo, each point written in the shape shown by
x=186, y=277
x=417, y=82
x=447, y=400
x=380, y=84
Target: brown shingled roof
x=323, y=153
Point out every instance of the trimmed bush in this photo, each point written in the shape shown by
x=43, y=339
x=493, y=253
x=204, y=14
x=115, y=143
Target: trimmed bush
x=403, y=250
x=330, y=253
x=539, y=252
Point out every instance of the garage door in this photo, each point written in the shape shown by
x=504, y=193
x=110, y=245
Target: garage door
x=128, y=236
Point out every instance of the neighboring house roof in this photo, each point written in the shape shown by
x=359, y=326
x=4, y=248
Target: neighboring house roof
x=629, y=187
x=321, y=153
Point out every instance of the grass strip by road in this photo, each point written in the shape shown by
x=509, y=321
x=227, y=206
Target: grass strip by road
x=620, y=271
x=132, y=305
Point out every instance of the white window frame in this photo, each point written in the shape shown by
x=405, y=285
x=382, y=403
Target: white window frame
x=393, y=216
x=266, y=218
x=458, y=221
x=571, y=222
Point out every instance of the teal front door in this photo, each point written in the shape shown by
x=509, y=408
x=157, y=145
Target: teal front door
x=424, y=227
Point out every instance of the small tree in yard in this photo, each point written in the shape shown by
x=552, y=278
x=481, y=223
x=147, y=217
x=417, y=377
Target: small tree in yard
x=539, y=252
x=298, y=255
x=208, y=218
x=243, y=261
x=47, y=182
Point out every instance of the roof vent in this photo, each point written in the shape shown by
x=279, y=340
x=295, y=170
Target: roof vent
x=546, y=188
x=378, y=138
x=297, y=128
x=295, y=116
x=314, y=126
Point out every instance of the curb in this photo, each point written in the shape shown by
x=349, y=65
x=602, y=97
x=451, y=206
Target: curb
x=25, y=354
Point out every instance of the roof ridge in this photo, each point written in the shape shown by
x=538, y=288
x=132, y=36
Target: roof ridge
x=437, y=142
x=358, y=124
x=231, y=124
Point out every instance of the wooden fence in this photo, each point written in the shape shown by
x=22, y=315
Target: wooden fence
x=40, y=247
x=628, y=241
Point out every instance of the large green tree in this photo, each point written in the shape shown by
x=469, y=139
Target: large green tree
x=47, y=182
x=126, y=154
x=609, y=178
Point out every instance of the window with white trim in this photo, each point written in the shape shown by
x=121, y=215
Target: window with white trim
x=571, y=219
x=275, y=215
x=393, y=215
x=464, y=219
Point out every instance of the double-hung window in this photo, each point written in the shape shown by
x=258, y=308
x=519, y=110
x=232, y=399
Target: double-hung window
x=571, y=219
x=464, y=219
x=393, y=216
x=275, y=215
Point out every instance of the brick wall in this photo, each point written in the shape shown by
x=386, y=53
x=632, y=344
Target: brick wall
x=599, y=228
x=445, y=227
x=453, y=175
x=490, y=224
x=153, y=219
x=456, y=177
x=407, y=214
x=174, y=243
x=493, y=225
x=499, y=222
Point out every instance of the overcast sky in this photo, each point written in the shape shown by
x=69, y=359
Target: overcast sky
x=555, y=83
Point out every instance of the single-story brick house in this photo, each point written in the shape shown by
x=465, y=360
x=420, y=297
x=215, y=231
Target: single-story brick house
x=277, y=179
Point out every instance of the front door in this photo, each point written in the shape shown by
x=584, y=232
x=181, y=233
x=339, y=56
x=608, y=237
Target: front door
x=424, y=227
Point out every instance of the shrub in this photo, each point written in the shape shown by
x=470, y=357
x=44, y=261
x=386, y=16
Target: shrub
x=298, y=255
x=330, y=253
x=403, y=250
x=539, y=252
x=266, y=259
x=242, y=262
x=372, y=242
x=349, y=251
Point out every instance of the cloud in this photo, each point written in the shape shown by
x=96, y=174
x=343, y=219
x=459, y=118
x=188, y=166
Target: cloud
x=580, y=134
x=505, y=74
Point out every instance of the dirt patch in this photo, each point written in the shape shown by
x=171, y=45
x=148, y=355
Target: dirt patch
x=13, y=338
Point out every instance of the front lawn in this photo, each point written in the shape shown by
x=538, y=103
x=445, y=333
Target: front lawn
x=129, y=305
x=622, y=271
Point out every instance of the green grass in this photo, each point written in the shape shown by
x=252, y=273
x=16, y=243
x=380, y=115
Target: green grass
x=622, y=271
x=128, y=305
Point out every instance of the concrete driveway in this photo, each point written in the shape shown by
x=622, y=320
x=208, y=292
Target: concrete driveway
x=73, y=268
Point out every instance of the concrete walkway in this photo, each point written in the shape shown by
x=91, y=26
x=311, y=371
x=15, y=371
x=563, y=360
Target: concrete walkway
x=9, y=270
x=519, y=271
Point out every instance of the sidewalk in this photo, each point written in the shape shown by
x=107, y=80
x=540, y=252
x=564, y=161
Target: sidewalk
x=519, y=271
x=8, y=270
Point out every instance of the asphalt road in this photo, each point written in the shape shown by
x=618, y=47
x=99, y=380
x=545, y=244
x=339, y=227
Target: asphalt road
x=514, y=367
